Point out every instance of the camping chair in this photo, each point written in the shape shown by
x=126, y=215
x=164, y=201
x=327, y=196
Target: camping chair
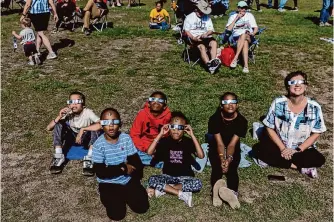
x=100, y=22
x=134, y=2
x=227, y=38
x=21, y=3
x=73, y=18
x=6, y=4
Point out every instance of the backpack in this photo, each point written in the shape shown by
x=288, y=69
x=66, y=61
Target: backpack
x=227, y=56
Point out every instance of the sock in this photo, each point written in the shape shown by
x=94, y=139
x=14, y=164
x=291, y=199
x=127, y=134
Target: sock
x=90, y=152
x=180, y=192
x=59, y=150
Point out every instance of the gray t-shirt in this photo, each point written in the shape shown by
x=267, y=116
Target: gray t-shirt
x=28, y=35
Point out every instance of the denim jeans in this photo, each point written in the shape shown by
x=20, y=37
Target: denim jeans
x=324, y=13
x=282, y=3
x=162, y=26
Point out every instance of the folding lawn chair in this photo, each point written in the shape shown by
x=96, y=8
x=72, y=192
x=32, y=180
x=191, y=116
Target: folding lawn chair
x=101, y=22
x=6, y=4
x=21, y=3
x=66, y=20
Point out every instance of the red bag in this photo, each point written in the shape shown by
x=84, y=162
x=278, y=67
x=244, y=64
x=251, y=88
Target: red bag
x=227, y=56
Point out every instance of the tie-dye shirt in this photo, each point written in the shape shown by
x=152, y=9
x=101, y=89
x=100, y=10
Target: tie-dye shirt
x=293, y=129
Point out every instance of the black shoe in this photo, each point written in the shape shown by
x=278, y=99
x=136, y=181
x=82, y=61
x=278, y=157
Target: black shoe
x=87, y=32
x=57, y=163
x=87, y=169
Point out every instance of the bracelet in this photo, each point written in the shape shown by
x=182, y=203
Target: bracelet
x=55, y=121
x=221, y=154
x=157, y=141
x=230, y=156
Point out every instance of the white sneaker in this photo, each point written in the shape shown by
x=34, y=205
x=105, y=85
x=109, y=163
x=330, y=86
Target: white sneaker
x=51, y=55
x=87, y=166
x=158, y=194
x=311, y=172
x=234, y=63
x=56, y=163
x=229, y=196
x=31, y=63
x=281, y=10
x=245, y=70
x=187, y=197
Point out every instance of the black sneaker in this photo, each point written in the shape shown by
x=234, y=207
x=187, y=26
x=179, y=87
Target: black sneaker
x=56, y=163
x=215, y=63
x=87, y=31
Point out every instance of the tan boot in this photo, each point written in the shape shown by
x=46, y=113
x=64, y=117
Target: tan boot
x=229, y=196
x=215, y=198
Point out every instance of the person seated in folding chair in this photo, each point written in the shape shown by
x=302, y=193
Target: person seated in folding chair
x=159, y=17
x=65, y=10
x=199, y=29
x=94, y=9
x=244, y=28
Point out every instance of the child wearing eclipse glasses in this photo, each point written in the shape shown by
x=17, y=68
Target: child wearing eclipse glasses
x=148, y=124
x=118, y=169
x=176, y=152
x=66, y=127
x=227, y=125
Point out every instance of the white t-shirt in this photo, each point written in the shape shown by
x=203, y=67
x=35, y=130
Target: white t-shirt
x=245, y=23
x=86, y=118
x=27, y=35
x=197, y=26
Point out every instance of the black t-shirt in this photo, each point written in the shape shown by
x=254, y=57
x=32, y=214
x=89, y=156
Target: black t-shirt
x=227, y=129
x=176, y=155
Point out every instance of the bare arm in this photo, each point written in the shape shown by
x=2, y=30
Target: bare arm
x=309, y=141
x=55, y=16
x=53, y=122
x=199, y=150
x=231, y=146
x=256, y=29
x=153, y=146
x=26, y=9
x=16, y=35
x=220, y=146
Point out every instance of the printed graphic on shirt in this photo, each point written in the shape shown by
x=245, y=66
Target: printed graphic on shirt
x=176, y=156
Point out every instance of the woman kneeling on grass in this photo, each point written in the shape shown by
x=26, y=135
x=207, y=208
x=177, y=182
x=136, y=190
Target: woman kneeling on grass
x=227, y=125
x=294, y=123
x=176, y=152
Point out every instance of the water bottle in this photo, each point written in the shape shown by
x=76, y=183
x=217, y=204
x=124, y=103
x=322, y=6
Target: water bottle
x=14, y=43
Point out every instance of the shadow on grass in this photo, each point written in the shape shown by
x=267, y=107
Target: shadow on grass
x=11, y=11
x=314, y=19
x=62, y=44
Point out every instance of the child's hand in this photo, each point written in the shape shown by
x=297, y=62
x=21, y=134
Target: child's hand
x=225, y=164
x=189, y=130
x=13, y=33
x=64, y=111
x=78, y=138
x=164, y=129
x=130, y=168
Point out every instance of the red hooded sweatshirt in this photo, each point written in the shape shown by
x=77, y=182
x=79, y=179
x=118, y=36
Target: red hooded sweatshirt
x=146, y=127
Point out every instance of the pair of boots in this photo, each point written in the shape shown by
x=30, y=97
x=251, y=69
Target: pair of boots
x=222, y=193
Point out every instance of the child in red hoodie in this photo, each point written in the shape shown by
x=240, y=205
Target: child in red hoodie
x=148, y=123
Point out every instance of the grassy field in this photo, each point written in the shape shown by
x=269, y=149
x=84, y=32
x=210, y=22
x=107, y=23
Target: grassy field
x=120, y=67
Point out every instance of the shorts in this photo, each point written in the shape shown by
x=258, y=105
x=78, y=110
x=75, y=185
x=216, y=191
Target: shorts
x=40, y=21
x=236, y=38
x=29, y=49
x=205, y=41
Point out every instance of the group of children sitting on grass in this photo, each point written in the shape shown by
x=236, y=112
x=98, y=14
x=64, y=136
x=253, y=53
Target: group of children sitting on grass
x=158, y=138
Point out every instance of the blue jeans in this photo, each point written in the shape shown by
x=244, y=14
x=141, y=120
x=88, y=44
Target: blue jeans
x=324, y=13
x=162, y=26
x=146, y=160
x=282, y=3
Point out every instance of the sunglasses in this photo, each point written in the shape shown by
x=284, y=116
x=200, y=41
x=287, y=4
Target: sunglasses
x=110, y=122
x=159, y=100
x=295, y=82
x=175, y=126
x=75, y=101
x=230, y=101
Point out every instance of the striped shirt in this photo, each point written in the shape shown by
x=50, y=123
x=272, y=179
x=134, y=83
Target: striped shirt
x=294, y=129
x=113, y=154
x=39, y=6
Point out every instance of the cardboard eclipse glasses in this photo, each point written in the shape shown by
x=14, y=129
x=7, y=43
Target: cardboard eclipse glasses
x=110, y=122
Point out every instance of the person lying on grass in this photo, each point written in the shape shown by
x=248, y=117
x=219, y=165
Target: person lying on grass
x=176, y=152
x=293, y=124
x=159, y=17
x=227, y=125
x=243, y=27
x=118, y=169
x=148, y=123
x=66, y=127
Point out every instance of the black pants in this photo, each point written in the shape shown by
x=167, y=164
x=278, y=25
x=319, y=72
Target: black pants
x=268, y=152
x=232, y=177
x=114, y=197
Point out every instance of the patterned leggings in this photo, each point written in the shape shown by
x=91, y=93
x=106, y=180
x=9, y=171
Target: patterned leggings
x=189, y=184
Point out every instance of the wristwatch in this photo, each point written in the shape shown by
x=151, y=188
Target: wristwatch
x=298, y=149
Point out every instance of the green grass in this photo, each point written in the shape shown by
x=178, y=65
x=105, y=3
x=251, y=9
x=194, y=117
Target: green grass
x=120, y=67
